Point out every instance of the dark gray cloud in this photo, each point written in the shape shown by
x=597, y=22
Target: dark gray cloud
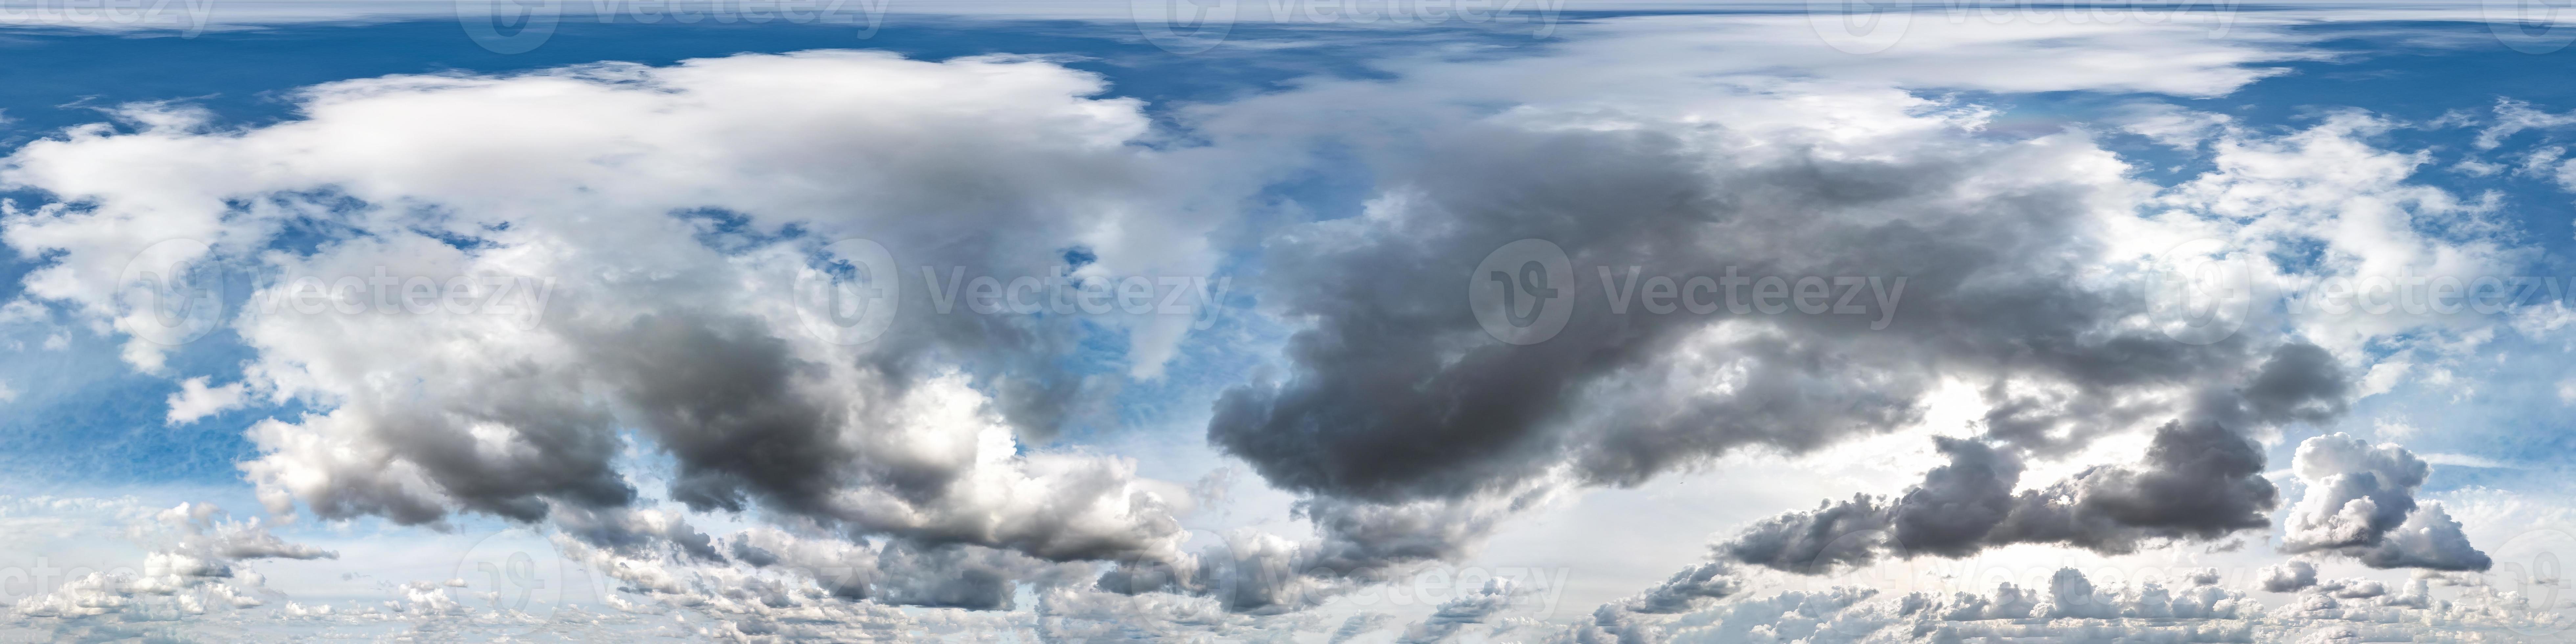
x=1395, y=393
x=2198, y=482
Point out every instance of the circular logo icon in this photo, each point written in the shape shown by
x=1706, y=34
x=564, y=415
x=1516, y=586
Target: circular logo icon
x=518, y=570
x=1523, y=292
x=1183, y=26
x=167, y=296
x=852, y=298
x=2198, y=293
x=2530, y=26
x=508, y=26
x=2536, y=565
x=1860, y=27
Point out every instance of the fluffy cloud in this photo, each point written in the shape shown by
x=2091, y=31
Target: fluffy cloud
x=646, y=228
x=2289, y=576
x=193, y=569
x=2198, y=482
x=2068, y=606
x=2360, y=502
x=657, y=221
x=195, y=400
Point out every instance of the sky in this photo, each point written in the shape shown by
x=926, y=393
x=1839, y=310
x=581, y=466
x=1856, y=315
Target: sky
x=1314, y=321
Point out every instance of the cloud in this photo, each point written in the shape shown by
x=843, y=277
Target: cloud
x=2068, y=606
x=1360, y=624
x=195, y=567
x=2289, y=576
x=195, y=400
x=727, y=178
x=657, y=219
x=1616, y=399
x=2360, y=502
x=2513, y=116
x=2199, y=482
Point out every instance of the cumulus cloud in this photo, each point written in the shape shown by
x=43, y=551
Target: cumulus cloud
x=2066, y=605
x=2199, y=482
x=727, y=180
x=195, y=400
x=2360, y=502
x=654, y=223
x=194, y=567
x=2289, y=576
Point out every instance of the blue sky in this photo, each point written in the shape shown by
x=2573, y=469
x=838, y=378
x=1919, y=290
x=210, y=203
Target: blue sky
x=1321, y=443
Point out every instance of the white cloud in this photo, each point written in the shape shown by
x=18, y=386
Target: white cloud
x=577, y=182
x=919, y=464
x=195, y=400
